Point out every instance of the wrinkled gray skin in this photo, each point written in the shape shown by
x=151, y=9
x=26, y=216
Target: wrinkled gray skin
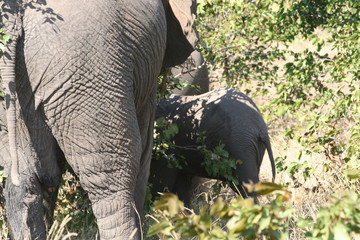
x=80, y=81
x=228, y=116
x=4, y=143
x=194, y=72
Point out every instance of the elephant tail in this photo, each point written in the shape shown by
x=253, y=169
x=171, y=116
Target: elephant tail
x=13, y=26
x=271, y=157
x=8, y=81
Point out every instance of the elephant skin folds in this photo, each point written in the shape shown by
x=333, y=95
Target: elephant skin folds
x=85, y=80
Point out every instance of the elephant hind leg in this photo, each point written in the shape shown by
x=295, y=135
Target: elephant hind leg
x=146, y=119
x=24, y=208
x=105, y=154
x=48, y=165
x=110, y=184
x=108, y=177
x=30, y=206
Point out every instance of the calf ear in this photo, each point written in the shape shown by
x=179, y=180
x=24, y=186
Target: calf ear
x=181, y=31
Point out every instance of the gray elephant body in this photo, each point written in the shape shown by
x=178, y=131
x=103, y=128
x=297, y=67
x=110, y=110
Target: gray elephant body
x=227, y=116
x=194, y=73
x=4, y=143
x=80, y=82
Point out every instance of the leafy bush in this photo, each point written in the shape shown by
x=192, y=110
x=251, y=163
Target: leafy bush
x=73, y=202
x=251, y=41
x=240, y=217
x=164, y=133
x=216, y=161
x=340, y=220
x=4, y=38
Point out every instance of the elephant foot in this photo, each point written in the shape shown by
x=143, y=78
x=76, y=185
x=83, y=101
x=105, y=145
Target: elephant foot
x=115, y=219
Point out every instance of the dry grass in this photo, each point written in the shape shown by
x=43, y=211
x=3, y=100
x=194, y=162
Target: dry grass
x=58, y=231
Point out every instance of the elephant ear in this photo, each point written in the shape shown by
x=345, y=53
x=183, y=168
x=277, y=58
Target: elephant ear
x=181, y=31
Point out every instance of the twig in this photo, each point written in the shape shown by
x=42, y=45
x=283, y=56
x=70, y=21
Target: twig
x=135, y=230
x=191, y=70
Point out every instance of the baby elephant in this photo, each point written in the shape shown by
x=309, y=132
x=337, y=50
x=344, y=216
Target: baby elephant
x=226, y=116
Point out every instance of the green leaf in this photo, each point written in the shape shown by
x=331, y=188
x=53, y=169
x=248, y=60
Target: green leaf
x=281, y=111
x=5, y=38
x=218, y=233
x=264, y=222
x=218, y=208
x=157, y=228
x=236, y=225
x=340, y=232
x=352, y=173
x=264, y=188
x=170, y=203
x=304, y=223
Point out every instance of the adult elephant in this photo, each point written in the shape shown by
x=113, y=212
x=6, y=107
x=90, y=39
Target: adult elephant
x=226, y=116
x=80, y=81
